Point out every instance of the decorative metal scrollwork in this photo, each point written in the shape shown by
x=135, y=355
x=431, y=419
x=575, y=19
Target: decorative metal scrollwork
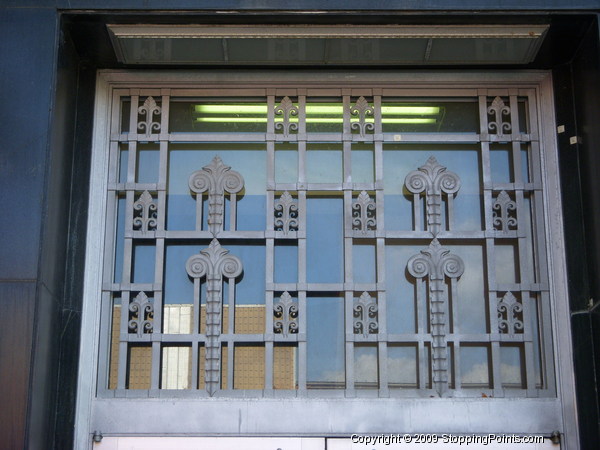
x=365, y=315
x=509, y=311
x=433, y=179
x=144, y=211
x=216, y=178
x=362, y=109
x=141, y=314
x=214, y=263
x=503, y=207
x=285, y=311
x=286, y=109
x=286, y=214
x=149, y=109
x=437, y=263
x=363, y=213
x=499, y=109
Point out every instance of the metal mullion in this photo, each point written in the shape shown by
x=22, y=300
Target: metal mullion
x=349, y=342
x=493, y=315
x=164, y=116
x=417, y=213
x=269, y=351
x=302, y=342
x=162, y=185
x=302, y=211
x=156, y=348
x=528, y=345
x=123, y=343
x=545, y=337
x=381, y=294
x=269, y=275
x=133, y=114
x=456, y=365
x=232, y=212
x=231, y=304
x=158, y=305
x=422, y=329
x=230, y=360
x=346, y=130
x=115, y=115
x=113, y=162
x=450, y=211
x=131, y=163
x=301, y=165
x=105, y=342
x=215, y=137
x=112, y=203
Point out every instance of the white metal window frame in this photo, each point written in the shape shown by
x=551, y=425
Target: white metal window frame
x=315, y=416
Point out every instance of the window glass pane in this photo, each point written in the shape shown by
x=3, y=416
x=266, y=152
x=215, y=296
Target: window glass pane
x=324, y=117
x=324, y=240
x=176, y=367
x=325, y=341
x=430, y=117
x=402, y=365
x=285, y=366
x=249, y=367
x=286, y=163
x=366, y=375
x=148, y=157
x=501, y=163
x=474, y=366
x=363, y=166
x=248, y=159
x=511, y=371
x=364, y=257
x=462, y=159
x=400, y=288
x=213, y=116
x=324, y=163
x=119, y=239
x=471, y=302
x=143, y=262
x=285, y=262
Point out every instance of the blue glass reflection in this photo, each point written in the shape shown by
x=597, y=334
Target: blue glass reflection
x=325, y=341
x=324, y=240
x=286, y=262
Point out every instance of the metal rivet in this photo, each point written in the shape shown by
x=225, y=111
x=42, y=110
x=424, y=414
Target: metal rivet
x=97, y=437
x=555, y=437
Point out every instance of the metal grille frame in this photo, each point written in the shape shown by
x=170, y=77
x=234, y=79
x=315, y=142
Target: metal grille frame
x=551, y=403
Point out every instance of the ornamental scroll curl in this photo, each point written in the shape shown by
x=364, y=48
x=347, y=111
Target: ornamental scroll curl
x=145, y=212
x=286, y=214
x=365, y=315
x=362, y=109
x=149, y=109
x=214, y=263
x=509, y=311
x=503, y=208
x=286, y=109
x=285, y=311
x=141, y=314
x=433, y=179
x=363, y=213
x=437, y=263
x=499, y=109
x=216, y=178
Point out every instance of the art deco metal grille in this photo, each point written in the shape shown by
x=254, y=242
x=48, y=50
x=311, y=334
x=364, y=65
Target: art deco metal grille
x=313, y=242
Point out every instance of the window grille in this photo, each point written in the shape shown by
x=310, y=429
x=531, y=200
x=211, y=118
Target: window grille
x=325, y=242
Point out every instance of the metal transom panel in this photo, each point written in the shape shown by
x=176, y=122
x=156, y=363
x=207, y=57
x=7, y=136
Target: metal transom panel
x=303, y=241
